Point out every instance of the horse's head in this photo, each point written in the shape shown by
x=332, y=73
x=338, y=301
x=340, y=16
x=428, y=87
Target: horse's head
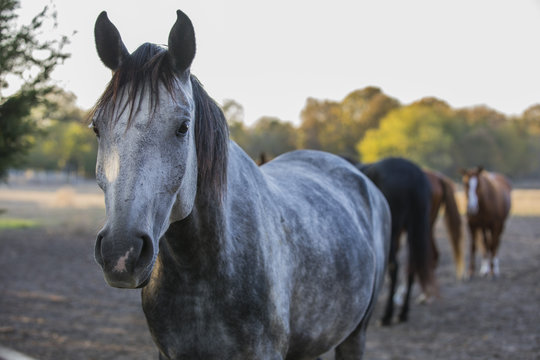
x=147, y=161
x=471, y=183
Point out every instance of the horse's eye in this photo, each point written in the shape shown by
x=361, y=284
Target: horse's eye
x=183, y=129
x=95, y=129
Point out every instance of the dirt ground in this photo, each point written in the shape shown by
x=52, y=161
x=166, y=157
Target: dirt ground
x=54, y=303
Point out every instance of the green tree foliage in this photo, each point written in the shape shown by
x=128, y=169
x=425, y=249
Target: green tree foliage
x=321, y=128
x=234, y=113
x=419, y=131
x=66, y=143
x=530, y=120
x=28, y=62
x=434, y=135
x=270, y=136
x=337, y=126
x=16, y=129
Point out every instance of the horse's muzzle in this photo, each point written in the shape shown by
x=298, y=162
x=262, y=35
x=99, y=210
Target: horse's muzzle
x=126, y=258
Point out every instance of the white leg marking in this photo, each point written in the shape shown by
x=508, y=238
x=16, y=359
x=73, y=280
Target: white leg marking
x=484, y=268
x=121, y=264
x=399, y=295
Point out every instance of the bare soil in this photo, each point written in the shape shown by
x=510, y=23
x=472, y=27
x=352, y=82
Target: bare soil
x=54, y=303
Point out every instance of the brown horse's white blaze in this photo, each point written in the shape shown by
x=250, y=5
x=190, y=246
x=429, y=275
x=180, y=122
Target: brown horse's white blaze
x=472, y=197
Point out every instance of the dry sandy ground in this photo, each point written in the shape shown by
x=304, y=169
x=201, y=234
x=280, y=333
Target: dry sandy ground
x=55, y=305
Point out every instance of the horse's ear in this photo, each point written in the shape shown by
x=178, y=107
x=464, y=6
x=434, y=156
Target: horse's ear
x=479, y=169
x=182, y=43
x=109, y=45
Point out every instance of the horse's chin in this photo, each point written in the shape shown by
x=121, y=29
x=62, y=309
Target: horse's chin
x=135, y=281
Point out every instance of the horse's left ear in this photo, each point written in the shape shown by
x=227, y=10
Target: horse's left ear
x=109, y=45
x=182, y=43
x=479, y=169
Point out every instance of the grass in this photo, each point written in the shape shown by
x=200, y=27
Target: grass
x=14, y=223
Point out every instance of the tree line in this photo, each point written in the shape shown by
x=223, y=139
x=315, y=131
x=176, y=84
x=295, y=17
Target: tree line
x=368, y=125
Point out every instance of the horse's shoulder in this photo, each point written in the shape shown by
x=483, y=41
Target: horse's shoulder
x=499, y=181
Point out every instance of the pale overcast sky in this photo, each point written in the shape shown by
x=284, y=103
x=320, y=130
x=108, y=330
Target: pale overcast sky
x=270, y=56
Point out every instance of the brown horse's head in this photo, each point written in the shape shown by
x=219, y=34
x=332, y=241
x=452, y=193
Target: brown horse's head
x=471, y=183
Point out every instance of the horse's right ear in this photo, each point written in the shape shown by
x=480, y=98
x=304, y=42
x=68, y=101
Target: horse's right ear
x=182, y=43
x=109, y=45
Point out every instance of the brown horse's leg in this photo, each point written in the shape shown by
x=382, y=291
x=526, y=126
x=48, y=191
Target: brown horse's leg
x=495, y=242
x=473, y=231
x=434, y=250
x=487, y=236
x=434, y=212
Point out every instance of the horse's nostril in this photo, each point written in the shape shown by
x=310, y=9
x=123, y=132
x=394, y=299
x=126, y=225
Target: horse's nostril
x=97, y=251
x=147, y=251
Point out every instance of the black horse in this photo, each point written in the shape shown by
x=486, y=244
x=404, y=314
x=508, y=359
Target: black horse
x=408, y=193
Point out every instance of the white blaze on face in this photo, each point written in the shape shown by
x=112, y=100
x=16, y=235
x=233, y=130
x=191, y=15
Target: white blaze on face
x=121, y=264
x=472, y=205
x=112, y=166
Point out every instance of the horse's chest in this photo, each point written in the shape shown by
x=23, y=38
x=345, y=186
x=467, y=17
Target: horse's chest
x=210, y=324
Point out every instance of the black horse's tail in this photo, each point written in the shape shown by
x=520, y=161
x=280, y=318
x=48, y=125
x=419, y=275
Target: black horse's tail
x=420, y=261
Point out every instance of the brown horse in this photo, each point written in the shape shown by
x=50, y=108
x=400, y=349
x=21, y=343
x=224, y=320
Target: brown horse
x=442, y=192
x=488, y=206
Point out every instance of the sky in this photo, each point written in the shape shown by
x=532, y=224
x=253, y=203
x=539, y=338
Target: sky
x=270, y=56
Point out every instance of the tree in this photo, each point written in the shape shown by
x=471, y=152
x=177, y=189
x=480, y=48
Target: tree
x=234, y=113
x=27, y=61
x=338, y=126
x=530, y=119
x=321, y=127
x=66, y=144
x=270, y=136
x=420, y=132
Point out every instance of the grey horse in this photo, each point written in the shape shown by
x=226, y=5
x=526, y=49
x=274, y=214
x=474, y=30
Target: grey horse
x=234, y=261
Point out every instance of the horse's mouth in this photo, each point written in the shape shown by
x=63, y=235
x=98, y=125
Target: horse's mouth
x=129, y=281
x=145, y=282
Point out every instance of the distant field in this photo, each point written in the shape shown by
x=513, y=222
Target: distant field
x=71, y=207
x=82, y=205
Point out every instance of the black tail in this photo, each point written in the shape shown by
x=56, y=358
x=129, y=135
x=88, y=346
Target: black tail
x=420, y=247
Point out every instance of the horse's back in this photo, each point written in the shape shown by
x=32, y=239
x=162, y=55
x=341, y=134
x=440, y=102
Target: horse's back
x=309, y=175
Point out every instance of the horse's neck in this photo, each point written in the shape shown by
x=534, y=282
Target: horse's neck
x=204, y=236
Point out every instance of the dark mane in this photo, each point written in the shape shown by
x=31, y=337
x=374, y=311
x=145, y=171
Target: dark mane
x=148, y=66
x=144, y=70
x=211, y=139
